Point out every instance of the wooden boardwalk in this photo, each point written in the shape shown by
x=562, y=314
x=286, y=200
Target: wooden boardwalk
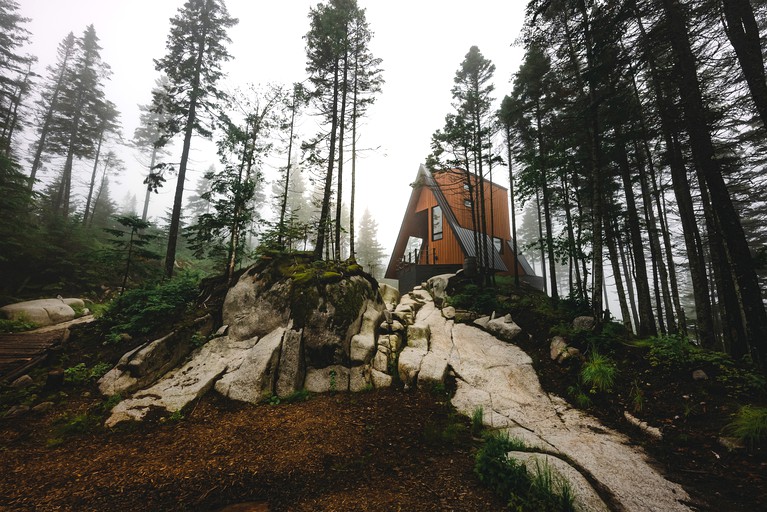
x=21, y=351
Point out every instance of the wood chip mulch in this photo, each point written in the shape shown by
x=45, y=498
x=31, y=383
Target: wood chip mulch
x=373, y=451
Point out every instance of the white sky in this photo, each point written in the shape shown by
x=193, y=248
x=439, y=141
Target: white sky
x=421, y=42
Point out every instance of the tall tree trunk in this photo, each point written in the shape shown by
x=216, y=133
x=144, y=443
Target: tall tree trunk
x=325, y=208
x=38, y=158
x=342, y=128
x=178, y=198
x=743, y=31
x=93, y=179
x=546, y=202
x=610, y=239
x=646, y=325
x=284, y=205
x=680, y=183
x=656, y=251
x=540, y=239
x=354, y=159
x=513, y=209
x=628, y=274
x=149, y=185
x=595, y=176
x=738, y=254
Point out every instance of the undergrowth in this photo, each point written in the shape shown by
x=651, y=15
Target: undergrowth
x=140, y=311
x=539, y=490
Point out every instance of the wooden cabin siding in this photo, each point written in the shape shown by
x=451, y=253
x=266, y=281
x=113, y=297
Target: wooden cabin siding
x=448, y=249
x=452, y=186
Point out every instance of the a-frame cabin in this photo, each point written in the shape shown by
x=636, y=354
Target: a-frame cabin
x=437, y=235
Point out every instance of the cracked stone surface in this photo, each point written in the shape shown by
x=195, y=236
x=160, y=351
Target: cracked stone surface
x=189, y=382
x=500, y=377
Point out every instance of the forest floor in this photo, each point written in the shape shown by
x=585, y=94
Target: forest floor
x=380, y=450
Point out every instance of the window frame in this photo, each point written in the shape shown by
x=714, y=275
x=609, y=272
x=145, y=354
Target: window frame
x=437, y=235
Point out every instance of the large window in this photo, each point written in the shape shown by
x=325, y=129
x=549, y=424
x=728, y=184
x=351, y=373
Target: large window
x=436, y=223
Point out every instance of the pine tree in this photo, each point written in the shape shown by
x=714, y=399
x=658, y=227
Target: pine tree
x=196, y=51
x=369, y=251
x=15, y=71
x=74, y=126
x=146, y=138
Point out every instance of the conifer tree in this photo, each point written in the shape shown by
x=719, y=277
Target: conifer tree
x=369, y=251
x=15, y=71
x=196, y=49
x=48, y=104
x=74, y=127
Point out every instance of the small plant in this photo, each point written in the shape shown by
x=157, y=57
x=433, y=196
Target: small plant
x=333, y=384
x=198, y=340
x=80, y=374
x=582, y=400
x=749, y=425
x=111, y=402
x=636, y=395
x=446, y=432
x=599, y=372
x=551, y=491
x=477, y=420
x=274, y=400
x=301, y=395
x=17, y=325
x=539, y=490
x=176, y=416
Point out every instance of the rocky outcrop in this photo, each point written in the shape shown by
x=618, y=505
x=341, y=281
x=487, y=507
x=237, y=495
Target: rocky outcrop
x=280, y=338
x=43, y=312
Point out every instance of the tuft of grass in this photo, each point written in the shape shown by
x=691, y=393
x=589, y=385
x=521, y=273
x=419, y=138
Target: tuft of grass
x=539, y=490
x=551, y=490
x=636, y=395
x=599, y=372
x=749, y=425
x=476, y=420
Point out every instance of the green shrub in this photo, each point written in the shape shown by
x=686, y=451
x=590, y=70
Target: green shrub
x=749, y=425
x=479, y=300
x=80, y=374
x=143, y=310
x=599, y=372
x=670, y=351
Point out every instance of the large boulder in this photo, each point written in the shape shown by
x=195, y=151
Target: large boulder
x=389, y=295
x=504, y=328
x=43, y=312
x=334, y=318
x=255, y=307
x=409, y=364
x=254, y=378
x=437, y=286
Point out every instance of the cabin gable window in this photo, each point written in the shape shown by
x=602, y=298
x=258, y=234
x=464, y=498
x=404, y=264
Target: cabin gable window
x=436, y=223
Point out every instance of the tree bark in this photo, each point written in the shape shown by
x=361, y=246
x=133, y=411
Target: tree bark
x=738, y=254
x=743, y=31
